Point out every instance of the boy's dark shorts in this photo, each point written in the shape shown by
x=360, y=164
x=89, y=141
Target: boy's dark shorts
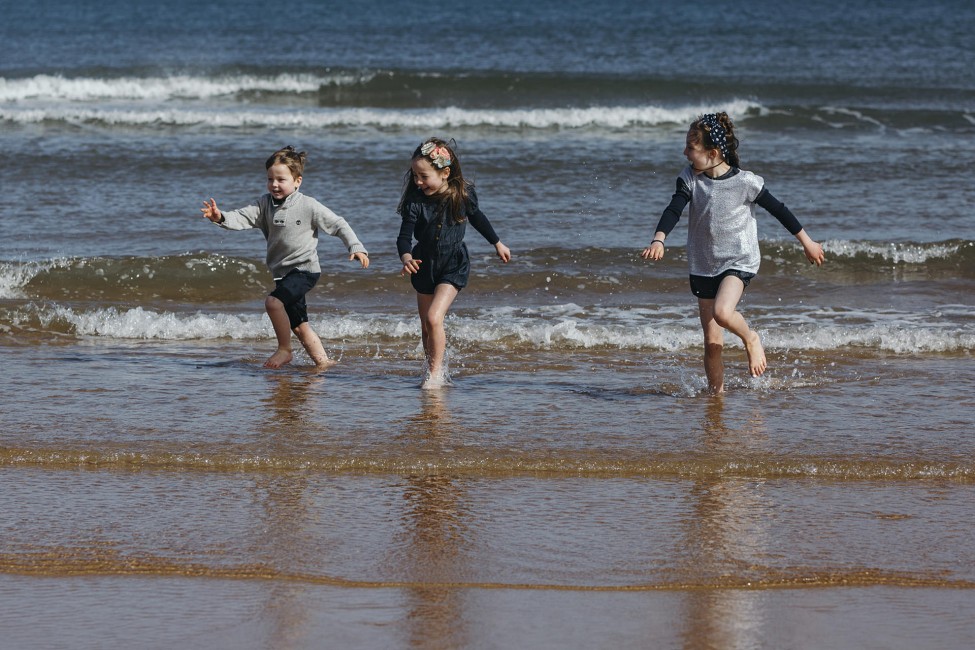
x=706, y=287
x=291, y=290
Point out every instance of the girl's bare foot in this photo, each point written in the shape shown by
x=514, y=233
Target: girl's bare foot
x=756, y=354
x=434, y=380
x=280, y=358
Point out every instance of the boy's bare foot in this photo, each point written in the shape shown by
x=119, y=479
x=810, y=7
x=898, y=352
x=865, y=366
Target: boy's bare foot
x=279, y=358
x=756, y=354
x=324, y=363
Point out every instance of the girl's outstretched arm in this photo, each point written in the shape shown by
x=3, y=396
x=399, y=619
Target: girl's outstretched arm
x=813, y=250
x=656, y=249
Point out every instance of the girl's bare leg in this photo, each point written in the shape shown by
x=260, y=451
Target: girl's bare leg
x=726, y=315
x=713, y=346
x=433, y=310
x=282, y=331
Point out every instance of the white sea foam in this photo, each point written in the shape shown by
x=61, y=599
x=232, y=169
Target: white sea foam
x=889, y=337
x=616, y=328
x=84, y=89
x=911, y=252
x=139, y=323
x=15, y=276
x=610, y=117
x=856, y=116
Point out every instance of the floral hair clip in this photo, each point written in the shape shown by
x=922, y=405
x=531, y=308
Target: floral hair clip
x=439, y=155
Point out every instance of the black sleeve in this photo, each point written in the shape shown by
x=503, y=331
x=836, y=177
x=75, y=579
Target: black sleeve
x=778, y=210
x=478, y=220
x=404, y=241
x=671, y=215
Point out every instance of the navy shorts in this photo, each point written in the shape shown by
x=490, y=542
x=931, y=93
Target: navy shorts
x=291, y=290
x=705, y=286
x=450, y=266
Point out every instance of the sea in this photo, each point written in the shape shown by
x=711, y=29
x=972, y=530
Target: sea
x=575, y=485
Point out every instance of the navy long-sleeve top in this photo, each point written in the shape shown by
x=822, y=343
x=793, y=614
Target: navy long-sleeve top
x=423, y=220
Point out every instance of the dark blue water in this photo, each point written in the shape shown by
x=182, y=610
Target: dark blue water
x=869, y=44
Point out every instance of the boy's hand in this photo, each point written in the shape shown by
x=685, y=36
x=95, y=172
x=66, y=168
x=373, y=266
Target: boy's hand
x=211, y=211
x=362, y=257
x=503, y=252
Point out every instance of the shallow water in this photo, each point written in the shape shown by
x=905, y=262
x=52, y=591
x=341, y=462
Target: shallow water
x=573, y=486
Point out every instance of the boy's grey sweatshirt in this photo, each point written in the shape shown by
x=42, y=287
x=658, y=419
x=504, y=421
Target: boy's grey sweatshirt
x=291, y=230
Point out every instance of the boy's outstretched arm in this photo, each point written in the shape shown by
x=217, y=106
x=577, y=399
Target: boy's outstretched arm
x=211, y=211
x=363, y=258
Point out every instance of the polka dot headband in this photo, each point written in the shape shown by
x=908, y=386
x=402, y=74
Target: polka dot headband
x=717, y=133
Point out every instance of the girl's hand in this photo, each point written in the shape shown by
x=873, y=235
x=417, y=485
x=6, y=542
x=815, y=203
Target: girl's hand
x=503, y=252
x=814, y=252
x=211, y=211
x=410, y=265
x=655, y=251
x=362, y=257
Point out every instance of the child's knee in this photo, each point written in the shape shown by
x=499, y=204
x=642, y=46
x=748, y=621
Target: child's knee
x=273, y=304
x=431, y=322
x=303, y=331
x=723, y=315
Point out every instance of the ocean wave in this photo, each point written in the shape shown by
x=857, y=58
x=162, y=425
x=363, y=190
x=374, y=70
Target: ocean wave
x=163, y=88
x=605, y=117
x=15, y=277
x=900, y=252
x=357, y=88
x=514, y=329
x=204, y=278
x=189, y=278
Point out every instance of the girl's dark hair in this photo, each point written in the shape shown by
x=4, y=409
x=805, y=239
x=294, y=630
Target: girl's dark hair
x=701, y=134
x=294, y=160
x=454, y=198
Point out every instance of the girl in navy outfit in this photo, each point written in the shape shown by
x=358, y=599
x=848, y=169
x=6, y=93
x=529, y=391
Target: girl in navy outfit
x=722, y=237
x=436, y=206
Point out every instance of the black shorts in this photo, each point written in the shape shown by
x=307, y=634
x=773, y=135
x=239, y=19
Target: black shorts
x=450, y=266
x=706, y=286
x=291, y=290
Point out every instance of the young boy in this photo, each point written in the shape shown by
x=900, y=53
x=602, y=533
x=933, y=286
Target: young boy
x=290, y=222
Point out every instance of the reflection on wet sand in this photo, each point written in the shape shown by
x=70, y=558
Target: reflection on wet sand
x=282, y=539
x=435, y=532
x=728, y=527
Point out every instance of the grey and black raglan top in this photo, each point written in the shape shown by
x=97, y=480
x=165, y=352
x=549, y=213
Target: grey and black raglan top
x=291, y=230
x=722, y=233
